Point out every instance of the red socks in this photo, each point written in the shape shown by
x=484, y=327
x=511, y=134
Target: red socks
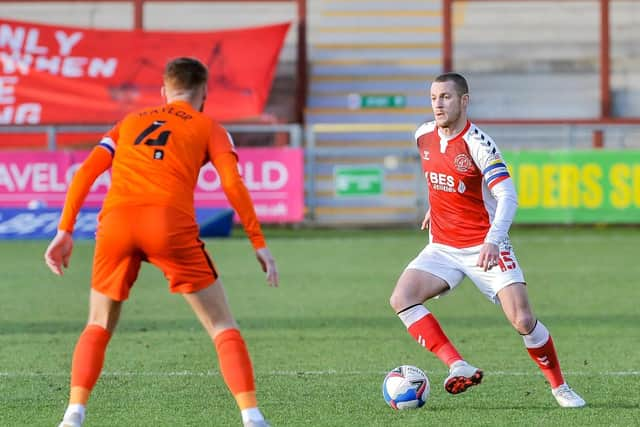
x=236, y=367
x=541, y=349
x=425, y=329
x=88, y=359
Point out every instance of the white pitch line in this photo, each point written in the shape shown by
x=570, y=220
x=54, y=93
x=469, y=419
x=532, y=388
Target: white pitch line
x=302, y=373
x=541, y=238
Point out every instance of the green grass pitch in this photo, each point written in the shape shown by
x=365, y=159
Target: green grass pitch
x=322, y=343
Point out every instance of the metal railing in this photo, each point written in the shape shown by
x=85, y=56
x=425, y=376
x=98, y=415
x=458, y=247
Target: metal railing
x=294, y=131
x=391, y=149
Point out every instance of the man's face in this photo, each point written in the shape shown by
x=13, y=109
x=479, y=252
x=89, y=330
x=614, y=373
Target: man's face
x=447, y=105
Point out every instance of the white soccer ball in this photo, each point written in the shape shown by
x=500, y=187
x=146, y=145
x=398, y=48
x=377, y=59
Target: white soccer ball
x=406, y=387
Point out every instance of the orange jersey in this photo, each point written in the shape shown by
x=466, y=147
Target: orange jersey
x=157, y=155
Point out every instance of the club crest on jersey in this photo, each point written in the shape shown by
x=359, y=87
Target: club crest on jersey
x=425, y=154
x=462, y=162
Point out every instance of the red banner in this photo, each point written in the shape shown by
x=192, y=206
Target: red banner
x=53, y=74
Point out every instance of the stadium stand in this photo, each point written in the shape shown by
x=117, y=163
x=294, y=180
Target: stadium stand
x=379, y=47
x=369, y=63
x=524, y=60
x=384, y=46
x=549, y=50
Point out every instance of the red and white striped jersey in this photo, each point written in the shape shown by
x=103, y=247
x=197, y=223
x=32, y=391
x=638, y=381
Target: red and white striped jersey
x=460, y=172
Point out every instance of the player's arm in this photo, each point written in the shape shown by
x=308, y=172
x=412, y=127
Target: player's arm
x=427, y=220
x=98, y=161
x=226, y=164
x=506, y=206
x=498, y=180
x=59, y=250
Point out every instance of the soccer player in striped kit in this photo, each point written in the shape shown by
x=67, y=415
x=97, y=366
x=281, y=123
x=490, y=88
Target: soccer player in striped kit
x=472, y=203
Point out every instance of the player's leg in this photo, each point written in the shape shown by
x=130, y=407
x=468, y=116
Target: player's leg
x=515, y=303
x=416, y=285
x=413, y=288
x=211, y=308
x=88, y=356
x=181, y=255
x=116, y=263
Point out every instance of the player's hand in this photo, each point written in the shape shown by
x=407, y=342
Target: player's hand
x=426, y=220
x=268, y=265
x=489, y=256
x=59, y=251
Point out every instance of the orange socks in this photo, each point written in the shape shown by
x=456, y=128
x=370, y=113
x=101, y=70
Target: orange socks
x=236, y=367
x=88, y=359
x=425, y=329
x=541, y=349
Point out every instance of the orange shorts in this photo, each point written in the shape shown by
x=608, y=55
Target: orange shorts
x=163, y=236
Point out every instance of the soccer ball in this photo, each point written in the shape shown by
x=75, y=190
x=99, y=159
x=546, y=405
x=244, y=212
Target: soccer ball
x=405, y=387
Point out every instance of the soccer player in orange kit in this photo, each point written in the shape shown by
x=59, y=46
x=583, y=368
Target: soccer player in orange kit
x=149, y=215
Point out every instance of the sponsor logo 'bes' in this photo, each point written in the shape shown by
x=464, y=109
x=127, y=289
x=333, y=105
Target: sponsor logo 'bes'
x=441, y=179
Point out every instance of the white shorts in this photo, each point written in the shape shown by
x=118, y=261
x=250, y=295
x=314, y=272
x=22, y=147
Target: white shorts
x=453, y=264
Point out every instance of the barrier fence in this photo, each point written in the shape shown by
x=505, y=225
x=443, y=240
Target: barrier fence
x=52, y=132
x=362, y=174
x=371, y=174
x=33, y=183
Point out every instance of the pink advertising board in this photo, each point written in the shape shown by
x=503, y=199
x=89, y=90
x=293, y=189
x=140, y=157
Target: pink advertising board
x=274, y=177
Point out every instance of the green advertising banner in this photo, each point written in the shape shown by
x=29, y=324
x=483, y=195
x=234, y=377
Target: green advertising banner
x=576, y=186
x=376, y=100
x=355, y=181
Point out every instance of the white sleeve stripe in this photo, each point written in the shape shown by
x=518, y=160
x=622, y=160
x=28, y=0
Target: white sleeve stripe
x=494, y=172
x=233, y=145
x=497, y=177
x=108, y=143
x=494, y=166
